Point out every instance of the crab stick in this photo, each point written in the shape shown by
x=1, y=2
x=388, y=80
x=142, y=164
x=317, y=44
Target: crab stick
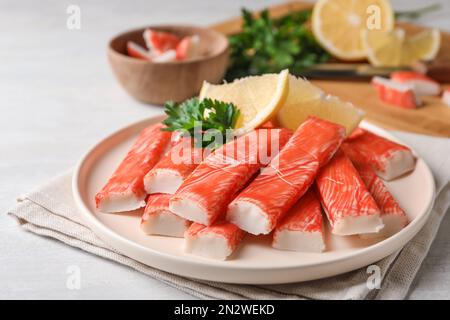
x=348, y=204
x=446, y=97
x=136, y=51
x=259, y=207
x=392, y=215
x=159, y=42
x=158, y=220
x=216, y=242
x=166, y=56
x=421, y=84
x=388, y=159
x=125, y=191
x=188, y=47
x=394, y=93
x=169, y=173
x=205, y=194
x=301, y=229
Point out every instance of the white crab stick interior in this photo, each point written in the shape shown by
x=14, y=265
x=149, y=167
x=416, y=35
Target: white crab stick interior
x=295, y=240
x=425, y=88
x=401, y=162
x=190, y=210
x=208, y=245
x=248, y=217
x=121, y=203
x=162, y=181
x=165, y=223
x=350, y=225
x=216, y=242
x=167, y=56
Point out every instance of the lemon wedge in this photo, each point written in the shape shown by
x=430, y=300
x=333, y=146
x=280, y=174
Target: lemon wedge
x=395, y=49
x=305, y=99
x=426, y=44
x=258, y=98
x=338, y=24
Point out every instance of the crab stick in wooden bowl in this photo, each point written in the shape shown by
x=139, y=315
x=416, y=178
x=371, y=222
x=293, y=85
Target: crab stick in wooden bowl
x=161, y=63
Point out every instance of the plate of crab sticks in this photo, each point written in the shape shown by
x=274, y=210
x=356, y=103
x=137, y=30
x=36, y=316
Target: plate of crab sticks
x=274, y=204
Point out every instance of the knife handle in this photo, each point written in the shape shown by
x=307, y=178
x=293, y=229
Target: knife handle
x=437, y=71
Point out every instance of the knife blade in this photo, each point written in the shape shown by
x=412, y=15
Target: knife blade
x=347, y=71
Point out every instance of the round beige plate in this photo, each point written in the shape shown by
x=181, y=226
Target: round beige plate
x=255, y=262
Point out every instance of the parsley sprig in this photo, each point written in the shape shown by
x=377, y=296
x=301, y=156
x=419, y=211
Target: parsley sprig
x=205, y=119
x=268, y=45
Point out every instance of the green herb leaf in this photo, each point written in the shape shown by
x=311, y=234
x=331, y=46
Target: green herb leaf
x=271, y=45
x=205, y=119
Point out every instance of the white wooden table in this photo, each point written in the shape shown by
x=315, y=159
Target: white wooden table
x=58, y=97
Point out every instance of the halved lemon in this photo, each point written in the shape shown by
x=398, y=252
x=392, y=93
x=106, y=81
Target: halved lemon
x=305, y=99
x=395, y=49
x=338, y=24
x=258, y=98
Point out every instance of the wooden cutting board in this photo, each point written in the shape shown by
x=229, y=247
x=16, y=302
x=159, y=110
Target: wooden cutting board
x=433, y=118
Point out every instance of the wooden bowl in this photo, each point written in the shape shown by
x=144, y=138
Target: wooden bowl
x=157, y=83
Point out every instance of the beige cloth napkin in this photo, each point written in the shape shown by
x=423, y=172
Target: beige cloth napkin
x=50, y=211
